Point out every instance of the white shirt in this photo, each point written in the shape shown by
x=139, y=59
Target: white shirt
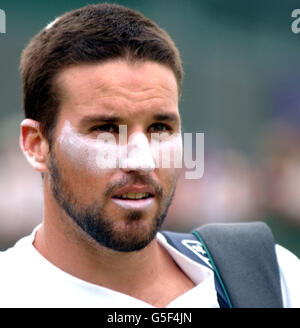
x=27, y=279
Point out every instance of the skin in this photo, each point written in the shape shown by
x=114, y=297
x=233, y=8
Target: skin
x=136, y=93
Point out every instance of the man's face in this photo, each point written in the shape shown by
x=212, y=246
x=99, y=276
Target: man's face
x=120, y=208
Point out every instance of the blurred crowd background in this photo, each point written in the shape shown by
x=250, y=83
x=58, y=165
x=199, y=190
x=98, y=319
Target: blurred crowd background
x=241, y=89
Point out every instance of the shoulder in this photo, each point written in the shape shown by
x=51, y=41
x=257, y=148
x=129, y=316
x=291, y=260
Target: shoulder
x=14, y=262
x=289, y=268
x=13, y=257
x=286, y=257
x=17, y=274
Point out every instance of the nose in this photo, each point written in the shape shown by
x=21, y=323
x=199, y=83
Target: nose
x=138, y=156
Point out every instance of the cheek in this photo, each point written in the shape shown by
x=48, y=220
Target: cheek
x=79, y=172
x=85, y=155
x=79, y=156
x=168, y=177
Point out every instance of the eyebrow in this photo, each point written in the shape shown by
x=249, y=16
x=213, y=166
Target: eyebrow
x=99, y=118
x=166, y=117
x=162, y=117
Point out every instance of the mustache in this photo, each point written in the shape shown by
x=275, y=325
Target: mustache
x=128, y=180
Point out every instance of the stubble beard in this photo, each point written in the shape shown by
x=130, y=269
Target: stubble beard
x=135, y=232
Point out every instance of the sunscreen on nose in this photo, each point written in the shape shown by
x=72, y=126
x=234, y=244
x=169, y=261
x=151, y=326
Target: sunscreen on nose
x=139, y=154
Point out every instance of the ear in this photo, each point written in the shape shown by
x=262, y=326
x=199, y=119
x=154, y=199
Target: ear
x=34, y=145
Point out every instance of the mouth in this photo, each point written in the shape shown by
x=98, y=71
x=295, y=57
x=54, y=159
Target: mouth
x=134, y=198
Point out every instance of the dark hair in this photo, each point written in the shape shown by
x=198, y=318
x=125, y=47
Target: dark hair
x=94, y=33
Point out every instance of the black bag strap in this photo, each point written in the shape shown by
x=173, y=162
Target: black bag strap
x=244, y=261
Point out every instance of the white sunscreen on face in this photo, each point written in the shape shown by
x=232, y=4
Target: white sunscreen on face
x=79, y=149
x=106, y=152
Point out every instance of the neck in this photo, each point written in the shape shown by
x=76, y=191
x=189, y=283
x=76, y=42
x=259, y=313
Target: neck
x=95, y=263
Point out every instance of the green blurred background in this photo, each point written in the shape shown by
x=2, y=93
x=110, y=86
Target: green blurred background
x=241, y=89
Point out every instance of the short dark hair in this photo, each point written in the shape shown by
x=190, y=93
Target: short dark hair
x=91, y=34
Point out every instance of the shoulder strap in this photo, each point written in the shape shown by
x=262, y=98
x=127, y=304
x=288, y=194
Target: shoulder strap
x=244, y=262
x=189, y=245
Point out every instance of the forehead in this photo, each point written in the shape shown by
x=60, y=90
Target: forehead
x=117, y=84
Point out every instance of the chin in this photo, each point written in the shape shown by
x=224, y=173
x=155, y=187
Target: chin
x=133, y=234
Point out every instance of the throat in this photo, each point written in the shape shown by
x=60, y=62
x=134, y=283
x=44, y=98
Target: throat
x=163, y=282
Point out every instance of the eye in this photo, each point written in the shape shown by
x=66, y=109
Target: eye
x=159, y=127
x=110, y=128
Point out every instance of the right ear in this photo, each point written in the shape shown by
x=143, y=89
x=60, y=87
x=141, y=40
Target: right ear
x=34, y=145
